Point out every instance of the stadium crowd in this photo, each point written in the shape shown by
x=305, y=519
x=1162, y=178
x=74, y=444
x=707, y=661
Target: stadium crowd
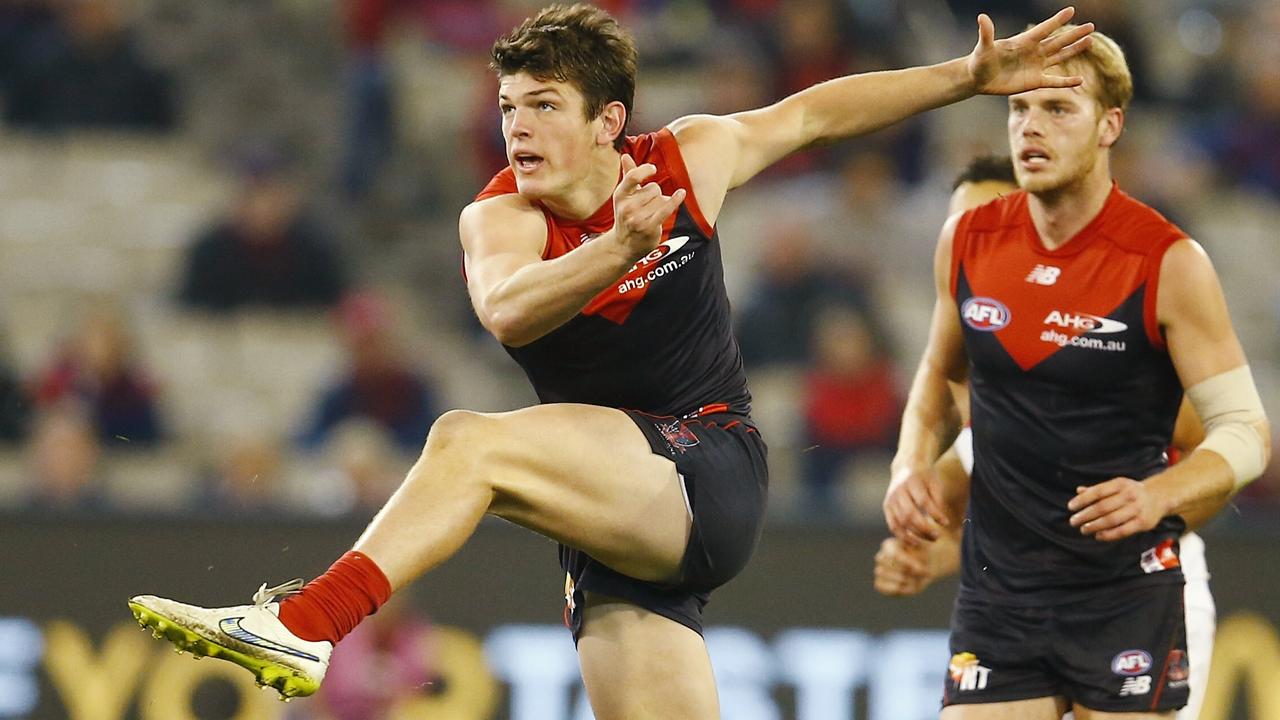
x=229, y=278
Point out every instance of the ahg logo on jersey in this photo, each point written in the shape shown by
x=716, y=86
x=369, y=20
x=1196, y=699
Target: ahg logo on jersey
x=985, y=314
x=966, y=673
x=1084, y=321
x=1086, y=324
x=637, y=277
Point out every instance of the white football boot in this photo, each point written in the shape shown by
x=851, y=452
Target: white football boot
x=250, y=636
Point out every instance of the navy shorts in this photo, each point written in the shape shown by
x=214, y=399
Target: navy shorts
x=721, y=461
x=1120, y=650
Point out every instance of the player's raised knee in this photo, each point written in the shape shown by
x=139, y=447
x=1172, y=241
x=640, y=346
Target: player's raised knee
x=456, y=429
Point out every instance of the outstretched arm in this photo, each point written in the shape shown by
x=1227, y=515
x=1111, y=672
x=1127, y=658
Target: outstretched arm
x=725, y=152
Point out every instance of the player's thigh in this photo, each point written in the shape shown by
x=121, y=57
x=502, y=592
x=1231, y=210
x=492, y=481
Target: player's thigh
x=638, y=665
x=586, y=476
x=1043, y=708
x=1084, y=713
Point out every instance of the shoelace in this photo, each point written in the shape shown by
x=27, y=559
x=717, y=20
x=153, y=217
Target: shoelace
x=267, y=594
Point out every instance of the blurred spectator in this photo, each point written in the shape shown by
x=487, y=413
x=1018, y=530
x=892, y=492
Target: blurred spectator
x=460, y=25
x=1118, y=21
x=870, y=205
x=15, y=406
x=387, y=660
x=1009, y=11
x=370, y=130
x=87, y=71
x=488, y=149
x=97, y=368
x=810, y=44
x=362, y=467
x=369, y=119
x=852, y=404
x=64, y=458
x=1243, y=139
x=775, y=325
x=378, y=383
x=269, y=253
x=731, y=82
x=812, y=41
x=247, y=476
x=29, y=30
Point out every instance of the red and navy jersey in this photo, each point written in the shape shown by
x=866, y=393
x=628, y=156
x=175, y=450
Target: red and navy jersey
x=658, y=340
x=1071, y=385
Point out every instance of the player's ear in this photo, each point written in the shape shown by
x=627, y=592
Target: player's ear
x=613, y=122
x=1112, y=122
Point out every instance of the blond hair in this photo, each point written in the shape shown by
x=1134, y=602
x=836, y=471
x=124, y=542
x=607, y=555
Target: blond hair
x=1105, y=70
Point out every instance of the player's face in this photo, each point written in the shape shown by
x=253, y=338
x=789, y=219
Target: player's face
x=1056, y=137
x=549, y=140
x=969, y=195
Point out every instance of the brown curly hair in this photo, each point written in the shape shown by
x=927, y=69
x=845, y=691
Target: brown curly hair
x=578, y=44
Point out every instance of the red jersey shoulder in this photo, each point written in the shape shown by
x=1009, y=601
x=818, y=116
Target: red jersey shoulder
x=644, y=148
x=1138, y=227
x=1005, y=211
x=661, y=149
x=503, y=183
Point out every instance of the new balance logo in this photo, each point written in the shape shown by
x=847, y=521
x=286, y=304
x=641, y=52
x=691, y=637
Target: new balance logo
x=231, y=628
x=1140, y=685
x=1044, y=274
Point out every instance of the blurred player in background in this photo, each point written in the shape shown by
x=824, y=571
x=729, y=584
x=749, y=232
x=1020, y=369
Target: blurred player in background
x=594, y=259
x=1078, y=316
x=901, y=569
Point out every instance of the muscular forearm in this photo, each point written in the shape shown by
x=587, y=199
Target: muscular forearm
x=1197, y=488
x=944, y=553
x=929, y=423
x=858, y=104
x=542, y=296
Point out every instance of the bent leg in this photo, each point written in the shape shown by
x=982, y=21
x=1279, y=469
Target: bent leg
x=580, y=474
x=637, y=665
x=1044, y=708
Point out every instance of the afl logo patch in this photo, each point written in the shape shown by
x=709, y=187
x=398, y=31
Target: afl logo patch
x=984, y=314
x=1131, y=662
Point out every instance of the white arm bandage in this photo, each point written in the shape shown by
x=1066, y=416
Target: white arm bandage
x=1231, y=411
x=964, y=449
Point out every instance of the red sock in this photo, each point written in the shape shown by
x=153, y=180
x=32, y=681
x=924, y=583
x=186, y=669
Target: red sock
x=332, y=605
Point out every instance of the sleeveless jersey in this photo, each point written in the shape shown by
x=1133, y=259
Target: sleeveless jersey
x=658, y=340
x=1071, y=385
